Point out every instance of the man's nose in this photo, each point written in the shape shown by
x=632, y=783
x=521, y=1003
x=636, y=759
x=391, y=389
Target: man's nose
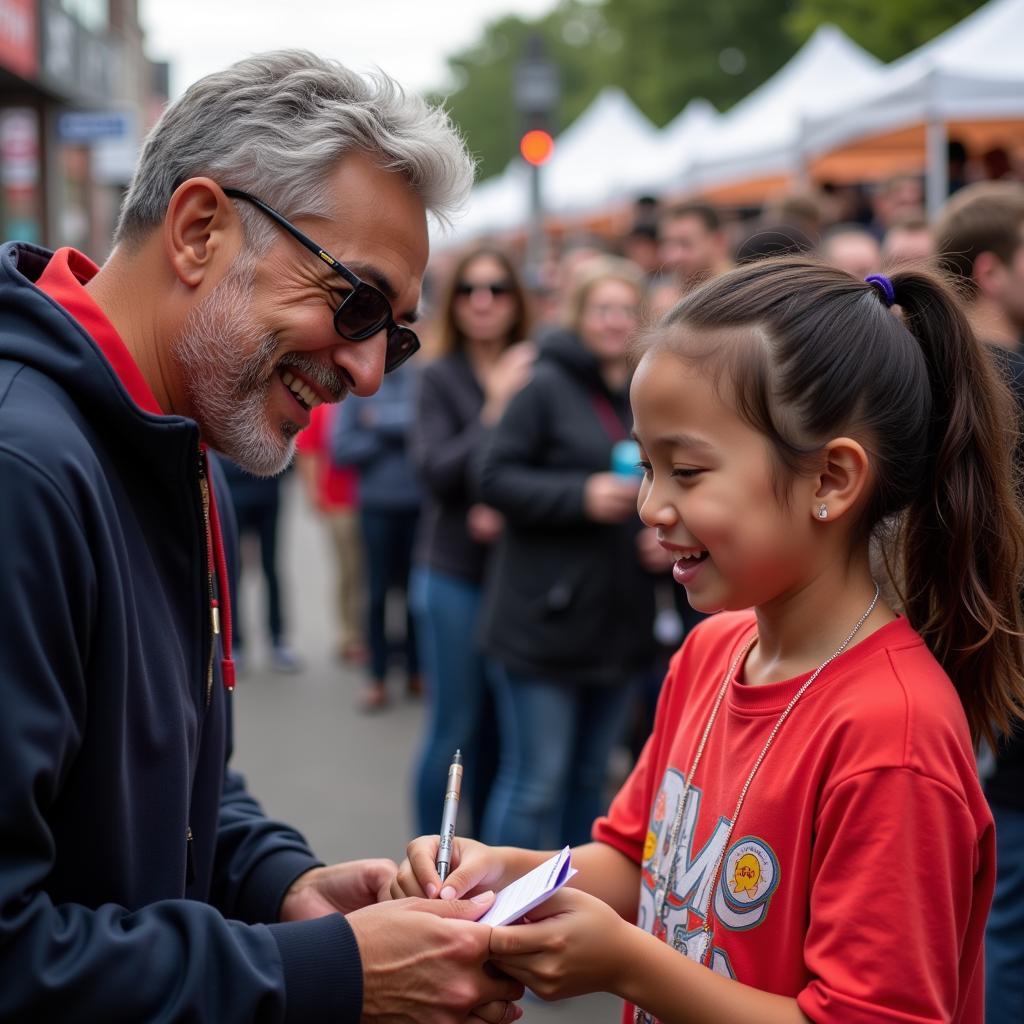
x=363, y=362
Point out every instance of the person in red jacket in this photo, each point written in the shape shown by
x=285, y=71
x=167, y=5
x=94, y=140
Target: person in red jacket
x=804, y=837
x=333, y=492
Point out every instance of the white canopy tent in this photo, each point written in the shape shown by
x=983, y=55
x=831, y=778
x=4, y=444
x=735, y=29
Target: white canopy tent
x=593, y=155
x=499, y=204
x=973, y=72
x=760, y=136
x=660, y=166
x=593, y=163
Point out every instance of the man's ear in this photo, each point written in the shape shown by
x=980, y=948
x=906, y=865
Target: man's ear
x=842, y=479
x=202, y=232
x=988, y=273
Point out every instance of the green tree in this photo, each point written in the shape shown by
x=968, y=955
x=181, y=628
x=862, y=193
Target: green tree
x=887, y=30
x=675, y=50
x=576, y=37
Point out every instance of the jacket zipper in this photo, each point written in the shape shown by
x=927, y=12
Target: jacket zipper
x=190, y=857
x=204, y=490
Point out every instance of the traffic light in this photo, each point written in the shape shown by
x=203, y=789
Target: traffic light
x=537, y=146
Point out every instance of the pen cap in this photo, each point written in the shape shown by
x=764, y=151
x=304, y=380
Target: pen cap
x=626, y=459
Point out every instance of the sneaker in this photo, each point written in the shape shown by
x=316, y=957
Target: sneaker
x=284, y=659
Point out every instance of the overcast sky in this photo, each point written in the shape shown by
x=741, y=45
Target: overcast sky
x=407, y=38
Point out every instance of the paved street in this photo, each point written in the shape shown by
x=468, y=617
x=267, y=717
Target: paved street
x=340, y=776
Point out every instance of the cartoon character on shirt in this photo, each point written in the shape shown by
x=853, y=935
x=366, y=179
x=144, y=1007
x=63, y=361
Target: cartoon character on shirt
x=746, y=881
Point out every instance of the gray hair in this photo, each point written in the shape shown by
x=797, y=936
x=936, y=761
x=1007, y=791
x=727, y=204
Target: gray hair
x=277, y=124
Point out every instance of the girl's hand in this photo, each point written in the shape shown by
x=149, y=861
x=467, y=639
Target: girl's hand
x=475, y=868
x=573, y=944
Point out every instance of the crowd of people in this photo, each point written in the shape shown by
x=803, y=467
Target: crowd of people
x=788, y=439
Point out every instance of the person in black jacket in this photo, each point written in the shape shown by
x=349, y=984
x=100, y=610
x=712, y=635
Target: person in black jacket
x=462, y=394
x=139, y=881
x=568, y=612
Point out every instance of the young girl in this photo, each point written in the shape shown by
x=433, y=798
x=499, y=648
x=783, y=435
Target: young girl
x=806, y=820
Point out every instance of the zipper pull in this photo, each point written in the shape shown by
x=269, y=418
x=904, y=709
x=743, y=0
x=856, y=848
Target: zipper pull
x=190, y=857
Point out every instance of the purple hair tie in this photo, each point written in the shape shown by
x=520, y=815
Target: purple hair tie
x=883, y=285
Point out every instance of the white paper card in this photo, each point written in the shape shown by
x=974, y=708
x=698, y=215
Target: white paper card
x=521, y=896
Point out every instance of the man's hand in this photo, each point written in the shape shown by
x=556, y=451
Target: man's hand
x=424, y=963
x=338, y=889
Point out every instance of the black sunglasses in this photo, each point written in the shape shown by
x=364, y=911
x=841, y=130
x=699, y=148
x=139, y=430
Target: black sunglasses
x=365, y=311
x=496, y=289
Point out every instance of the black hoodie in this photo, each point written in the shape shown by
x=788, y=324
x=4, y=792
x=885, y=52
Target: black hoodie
x=113, y=749
x=566, y=599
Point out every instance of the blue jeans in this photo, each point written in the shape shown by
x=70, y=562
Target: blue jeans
x=461, y=708
x=1004, y=939
x=555, y=744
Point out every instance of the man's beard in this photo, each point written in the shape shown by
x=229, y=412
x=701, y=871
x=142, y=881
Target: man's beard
x=229, y=392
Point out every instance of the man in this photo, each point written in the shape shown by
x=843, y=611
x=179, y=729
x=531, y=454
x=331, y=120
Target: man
x=907, y=242
x=693, y=245
x=980, y=239
x=852, y=248
x=895, y=199
x=138, y=879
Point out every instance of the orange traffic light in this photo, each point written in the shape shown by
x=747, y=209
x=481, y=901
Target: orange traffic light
x=536, y=147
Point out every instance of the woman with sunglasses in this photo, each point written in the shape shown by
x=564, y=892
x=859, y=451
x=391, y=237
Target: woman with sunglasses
x=569, y=610
x=483, y=362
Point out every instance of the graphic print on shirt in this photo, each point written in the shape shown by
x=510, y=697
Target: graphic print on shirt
x=747, y=881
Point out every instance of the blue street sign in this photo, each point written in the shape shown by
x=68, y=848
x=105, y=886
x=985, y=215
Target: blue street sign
x=93, y=125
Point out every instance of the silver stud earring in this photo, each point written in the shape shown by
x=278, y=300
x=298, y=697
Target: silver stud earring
x=823, y=511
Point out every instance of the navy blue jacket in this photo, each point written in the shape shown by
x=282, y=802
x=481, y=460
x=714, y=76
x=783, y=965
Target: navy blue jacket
x=110, y=747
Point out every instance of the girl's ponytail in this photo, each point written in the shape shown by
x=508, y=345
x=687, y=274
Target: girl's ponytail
x=960, y=544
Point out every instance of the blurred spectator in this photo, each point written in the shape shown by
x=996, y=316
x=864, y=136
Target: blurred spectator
x=640, y=246
x=332, y=491
x=980, y=239
x=693, y=244
x=845, y=204
x=766, y=241
x=908, y=242
x=801, y=210
x=257, y=503
x=896, y=199
x=997, y=164
x=852, y=248
x=646, y=211
x=568, y=608
x=462, y=394
x=956, y=165
x=662, y=295
x=370, y=434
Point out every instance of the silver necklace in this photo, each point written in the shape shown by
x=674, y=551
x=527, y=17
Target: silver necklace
x=666, y=879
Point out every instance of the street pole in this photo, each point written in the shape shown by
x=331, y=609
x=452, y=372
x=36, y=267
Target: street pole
x=536, y=94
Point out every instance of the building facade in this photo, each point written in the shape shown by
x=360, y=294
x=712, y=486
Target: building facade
x=77, y=94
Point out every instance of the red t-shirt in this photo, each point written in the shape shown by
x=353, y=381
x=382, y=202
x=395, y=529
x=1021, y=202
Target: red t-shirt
x=860, y=873
x=336, y=485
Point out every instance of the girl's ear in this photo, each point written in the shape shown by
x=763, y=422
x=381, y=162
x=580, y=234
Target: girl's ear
x=842, y=480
